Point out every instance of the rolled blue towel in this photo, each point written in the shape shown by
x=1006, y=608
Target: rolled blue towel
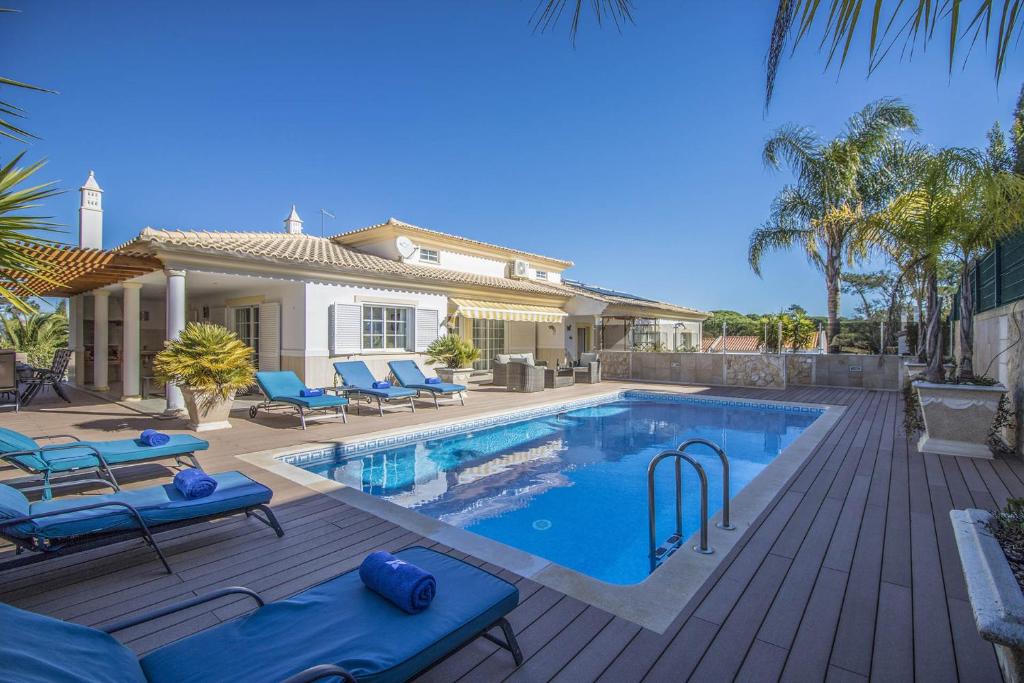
x=311, y=393
x=194, y=483
x=433, y=380
x=406, y=585
x=382, y=385
x=151, y=437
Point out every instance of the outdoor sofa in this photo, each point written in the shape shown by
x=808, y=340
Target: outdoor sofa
x=518, y=372
x=49, y=528
x=283, y=388
x=409, y=375
x=337, y=630
x=358, y=380
x=57, y=460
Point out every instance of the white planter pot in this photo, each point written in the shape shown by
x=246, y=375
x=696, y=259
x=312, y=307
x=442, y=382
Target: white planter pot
x=455, y=375
x=958, y=418
x=206, y=413
x=915, y=370
x=995, y=595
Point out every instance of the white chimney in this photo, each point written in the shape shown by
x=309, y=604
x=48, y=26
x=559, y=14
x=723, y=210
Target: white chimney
x=90, y=214
x=293, y=224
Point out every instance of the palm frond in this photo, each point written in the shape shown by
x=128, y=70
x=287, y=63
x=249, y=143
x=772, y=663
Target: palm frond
x=8, y=129
x=774, y=237
x=549, y=13
x=893, y=23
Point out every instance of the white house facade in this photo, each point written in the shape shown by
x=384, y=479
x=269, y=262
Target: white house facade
x=302, y=302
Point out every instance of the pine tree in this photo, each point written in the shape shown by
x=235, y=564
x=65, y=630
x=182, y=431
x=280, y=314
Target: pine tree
x=997, y=154
x=1017, y=134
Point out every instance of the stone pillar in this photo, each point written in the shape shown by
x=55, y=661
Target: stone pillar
x=130, y=360
x=76, y=342
x=175, y=324
x=100, y=339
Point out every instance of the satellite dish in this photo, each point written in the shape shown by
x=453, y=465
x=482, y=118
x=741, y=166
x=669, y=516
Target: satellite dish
x=405, y=246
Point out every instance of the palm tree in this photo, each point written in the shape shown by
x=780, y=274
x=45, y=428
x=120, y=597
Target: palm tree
x=957, y=206
x=37, y=334
x=824, y=211
x=19, y=247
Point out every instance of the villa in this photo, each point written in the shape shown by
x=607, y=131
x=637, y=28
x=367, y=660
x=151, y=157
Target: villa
x=302, y=302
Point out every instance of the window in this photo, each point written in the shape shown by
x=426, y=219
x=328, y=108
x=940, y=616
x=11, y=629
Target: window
x=429, y=255
x=245, y=322
x=385, y=327
x=542, y=274
x=489, y=337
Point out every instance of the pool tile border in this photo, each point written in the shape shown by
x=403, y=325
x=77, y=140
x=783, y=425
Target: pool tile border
x=345, y=448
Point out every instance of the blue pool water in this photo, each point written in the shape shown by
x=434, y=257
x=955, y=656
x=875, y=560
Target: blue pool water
x=571, y=487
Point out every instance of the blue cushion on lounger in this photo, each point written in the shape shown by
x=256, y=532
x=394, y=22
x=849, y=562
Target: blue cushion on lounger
x=40, y=649
x=342, y=622
x=359, y=378
x=408, y=374
x=286, y=387
x=119, y=452
x=13, y=503
x=157, y=505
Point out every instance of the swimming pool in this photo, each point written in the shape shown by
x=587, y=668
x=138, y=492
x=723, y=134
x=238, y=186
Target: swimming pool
x=569, y=486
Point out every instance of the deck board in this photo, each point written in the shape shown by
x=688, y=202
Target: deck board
x=849, y=574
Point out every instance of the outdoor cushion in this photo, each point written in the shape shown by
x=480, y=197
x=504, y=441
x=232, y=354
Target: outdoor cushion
x=157, y=505
x=502, y=358
x=357, y=376
x=314, y=402
x=119, y=452
x=408, y=374
x=13, y=502
x=344, y=623
x=521, y=358
x=40, y=649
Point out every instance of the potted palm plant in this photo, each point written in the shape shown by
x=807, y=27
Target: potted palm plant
x=954, y=202
x=455, y=355
x=209, y=363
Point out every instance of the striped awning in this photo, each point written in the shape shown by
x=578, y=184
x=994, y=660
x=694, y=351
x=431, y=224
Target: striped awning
x=493, y=310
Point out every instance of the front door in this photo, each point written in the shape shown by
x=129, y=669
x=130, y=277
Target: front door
x=583, y=344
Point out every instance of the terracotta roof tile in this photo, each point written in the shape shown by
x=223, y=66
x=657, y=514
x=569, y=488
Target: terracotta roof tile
x=281, y=246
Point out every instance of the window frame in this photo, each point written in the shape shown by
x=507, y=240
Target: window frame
x=540, y=274
x=391, y=318
x=435, y=257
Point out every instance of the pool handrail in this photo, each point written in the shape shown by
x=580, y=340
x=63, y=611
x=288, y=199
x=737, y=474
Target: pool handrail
x=676, y=540
x=725, y=523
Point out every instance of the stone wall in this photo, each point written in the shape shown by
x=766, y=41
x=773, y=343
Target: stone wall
x=755, y=369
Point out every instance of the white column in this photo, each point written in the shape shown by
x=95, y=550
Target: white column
x=175, y=324
x=131, y=343
x=76, y=370
x=100, y=339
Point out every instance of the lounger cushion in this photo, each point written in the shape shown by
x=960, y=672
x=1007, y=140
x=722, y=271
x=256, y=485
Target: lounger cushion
x=441, y=388
x=344, y=623
x=313, y=402
x=119, y=452
x=13, y=503
x=358, y=378
x=157, y=505
x=40, y=649
x=393, y=392
x=408, y=374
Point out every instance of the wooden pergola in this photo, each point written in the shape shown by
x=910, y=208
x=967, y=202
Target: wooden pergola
x=72, y=270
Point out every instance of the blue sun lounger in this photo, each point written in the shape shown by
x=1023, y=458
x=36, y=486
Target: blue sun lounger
x=409, y=375
x=56, y=460
x=49, y=528
x=285, y=387
x=359, y=380
x=338, y=630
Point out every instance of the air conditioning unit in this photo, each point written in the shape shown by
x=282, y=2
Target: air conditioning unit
x=520, y=268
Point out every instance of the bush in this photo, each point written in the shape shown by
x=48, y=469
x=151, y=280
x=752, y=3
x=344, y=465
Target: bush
x=452, y=351
x=209, y=359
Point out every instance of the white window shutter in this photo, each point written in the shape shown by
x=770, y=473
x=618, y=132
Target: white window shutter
x=427, y=327
x=345, y=322
x=270, y=337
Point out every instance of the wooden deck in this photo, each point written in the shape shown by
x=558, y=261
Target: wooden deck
x=851, y=573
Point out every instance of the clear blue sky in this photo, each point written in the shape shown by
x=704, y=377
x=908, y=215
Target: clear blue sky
x=637, y=154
